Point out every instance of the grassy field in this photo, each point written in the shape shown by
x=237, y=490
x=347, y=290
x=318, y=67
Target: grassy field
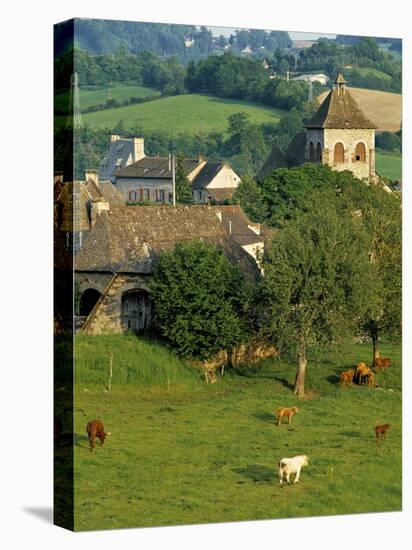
x=389, y=165
x=92, y=96
x=382, y=108
x=183, y=452
x=190, y=113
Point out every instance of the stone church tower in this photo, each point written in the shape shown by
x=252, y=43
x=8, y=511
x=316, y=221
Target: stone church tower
x=341, y=136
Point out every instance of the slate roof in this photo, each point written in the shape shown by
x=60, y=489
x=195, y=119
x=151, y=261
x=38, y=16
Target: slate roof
x=339, y=110
x=220, y=194
x=276, y=159
x=154, y=167
x=119, y=153
x=73, y=200
x=209, y=171
x=128, y=239
x=73, y=204
x=111, y=194
x=235, y=221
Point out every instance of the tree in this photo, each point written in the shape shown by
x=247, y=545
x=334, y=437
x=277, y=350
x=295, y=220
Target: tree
x=183, y=187
x=198, y=298
x=382, y=218
x=249, y=195
x=318, y=281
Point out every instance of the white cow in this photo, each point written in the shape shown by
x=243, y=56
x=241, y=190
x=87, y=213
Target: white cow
x=293, y=465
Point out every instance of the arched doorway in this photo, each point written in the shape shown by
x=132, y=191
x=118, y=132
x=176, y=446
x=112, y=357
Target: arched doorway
x=360, y=152
x=136, y=310
x=311, y=152
x=339, y=153
x=88, y=300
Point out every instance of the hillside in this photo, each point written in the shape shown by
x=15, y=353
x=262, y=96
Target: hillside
x=389, y=165
x=383, y=108
x=92, y=96
x=190, y=113
x=182, y=451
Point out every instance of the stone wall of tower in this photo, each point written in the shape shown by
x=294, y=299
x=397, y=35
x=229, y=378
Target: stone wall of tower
x=349, y=138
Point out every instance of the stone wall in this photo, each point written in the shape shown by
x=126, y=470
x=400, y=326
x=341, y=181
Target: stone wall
x=106, y=317
x=349, y=138
x=126, y=185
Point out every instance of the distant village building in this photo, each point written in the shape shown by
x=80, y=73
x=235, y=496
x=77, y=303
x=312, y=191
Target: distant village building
x=303, y=44
x=189, y=42
x=319, y=77
x=339, y=135
x=141, y=178
x=120, y=244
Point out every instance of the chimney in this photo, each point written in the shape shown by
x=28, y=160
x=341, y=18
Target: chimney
x=138, y=145
x=58, y=177
x=92, y=175
x=114, y=137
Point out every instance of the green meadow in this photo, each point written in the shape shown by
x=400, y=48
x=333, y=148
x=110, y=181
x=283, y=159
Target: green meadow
x=182, y=451
x=182, y=113
x=92, y=96
x=389, y=165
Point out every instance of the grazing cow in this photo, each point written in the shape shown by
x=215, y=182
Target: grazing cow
x=381, y=363
x=346, y=377
x=380, y=431
x=363, y=375
x=287, y=412
x=288, y=466
x=95, y=429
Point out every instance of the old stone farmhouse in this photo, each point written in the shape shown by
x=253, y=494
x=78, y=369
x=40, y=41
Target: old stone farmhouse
x=339, y=135
x=116, y=247
x=141, y=178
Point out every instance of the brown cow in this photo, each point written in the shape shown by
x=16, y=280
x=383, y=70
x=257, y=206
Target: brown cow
x=286, y=411
x=381, y=363
x=380, y=431
x=363, y=374
x=95, y=429
x=346, y=378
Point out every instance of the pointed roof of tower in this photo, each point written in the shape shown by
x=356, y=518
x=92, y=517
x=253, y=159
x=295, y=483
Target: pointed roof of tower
x=340, y=110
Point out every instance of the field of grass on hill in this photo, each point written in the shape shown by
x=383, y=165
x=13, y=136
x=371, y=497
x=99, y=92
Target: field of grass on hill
x=92, y=96
x=183, y=452
x=389, y=165
x=183, y=113
x=382, y=108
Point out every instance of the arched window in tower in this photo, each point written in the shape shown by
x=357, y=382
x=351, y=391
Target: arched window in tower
x=319, y=152
x=311, y=152
x=360, y=152
x=339, y=153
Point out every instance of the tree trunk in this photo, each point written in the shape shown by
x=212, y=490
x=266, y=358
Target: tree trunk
x=376, y=347
x=301, y=373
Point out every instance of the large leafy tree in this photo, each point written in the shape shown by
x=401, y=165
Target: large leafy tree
x=381, y=217
x=318, y=282
x=199, y=300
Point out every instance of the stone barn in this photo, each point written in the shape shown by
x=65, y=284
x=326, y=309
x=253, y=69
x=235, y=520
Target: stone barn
x=114, y=266
x=105, y=251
